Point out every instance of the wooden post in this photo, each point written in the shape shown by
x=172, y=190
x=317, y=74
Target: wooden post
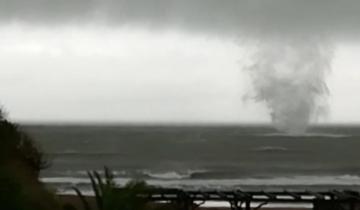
x=247, y=205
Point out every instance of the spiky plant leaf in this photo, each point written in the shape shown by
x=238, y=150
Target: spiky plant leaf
x=82, y=198
x=109, y=177
x=95, y=187
x=100, y=183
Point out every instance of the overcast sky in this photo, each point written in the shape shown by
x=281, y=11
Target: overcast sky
x=161, y=60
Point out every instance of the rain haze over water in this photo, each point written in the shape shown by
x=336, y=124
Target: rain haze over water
x=294, y=44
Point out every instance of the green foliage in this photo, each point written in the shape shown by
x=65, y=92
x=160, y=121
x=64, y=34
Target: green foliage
x=128, y=198
x=11, y=192
x=69, y=207
x=19, y=146
x=2, y=115
x=109, y=196
x=20, y=164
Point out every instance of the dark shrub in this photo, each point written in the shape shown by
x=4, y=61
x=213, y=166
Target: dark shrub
x=20, y=164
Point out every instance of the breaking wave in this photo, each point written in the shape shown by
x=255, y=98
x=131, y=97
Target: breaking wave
x=63, y=184
x=270, y=149
x=171, y=174
x=140, y=174
x=307, y=135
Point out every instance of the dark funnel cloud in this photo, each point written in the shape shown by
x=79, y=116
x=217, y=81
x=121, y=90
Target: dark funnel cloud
x=293, y=39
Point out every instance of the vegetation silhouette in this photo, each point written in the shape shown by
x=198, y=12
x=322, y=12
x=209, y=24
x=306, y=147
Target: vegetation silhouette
x=108, y=196
x=21, y=161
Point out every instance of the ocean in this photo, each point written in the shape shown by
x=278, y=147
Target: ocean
x=202, y=157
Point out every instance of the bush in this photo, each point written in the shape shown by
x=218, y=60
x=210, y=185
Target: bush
x=109, y=196
x=20, y=164
x=17, y=145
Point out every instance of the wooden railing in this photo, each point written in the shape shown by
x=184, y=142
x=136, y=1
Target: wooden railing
x=238, y=200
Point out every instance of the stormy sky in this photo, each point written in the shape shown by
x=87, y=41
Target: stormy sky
x=162, y=60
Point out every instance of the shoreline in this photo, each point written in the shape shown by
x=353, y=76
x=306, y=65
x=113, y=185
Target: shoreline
x=75, y=201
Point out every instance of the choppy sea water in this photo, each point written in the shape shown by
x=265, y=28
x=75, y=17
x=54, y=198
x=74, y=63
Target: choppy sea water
x=221, y=157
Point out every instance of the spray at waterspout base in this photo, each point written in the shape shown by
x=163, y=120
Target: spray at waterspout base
x=289, y=76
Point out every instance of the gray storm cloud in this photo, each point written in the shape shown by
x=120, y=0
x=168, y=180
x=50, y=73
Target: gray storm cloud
x=332, y=17
x=290, y=64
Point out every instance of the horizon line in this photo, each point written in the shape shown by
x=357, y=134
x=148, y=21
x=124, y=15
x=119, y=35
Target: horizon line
x=168, y=124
